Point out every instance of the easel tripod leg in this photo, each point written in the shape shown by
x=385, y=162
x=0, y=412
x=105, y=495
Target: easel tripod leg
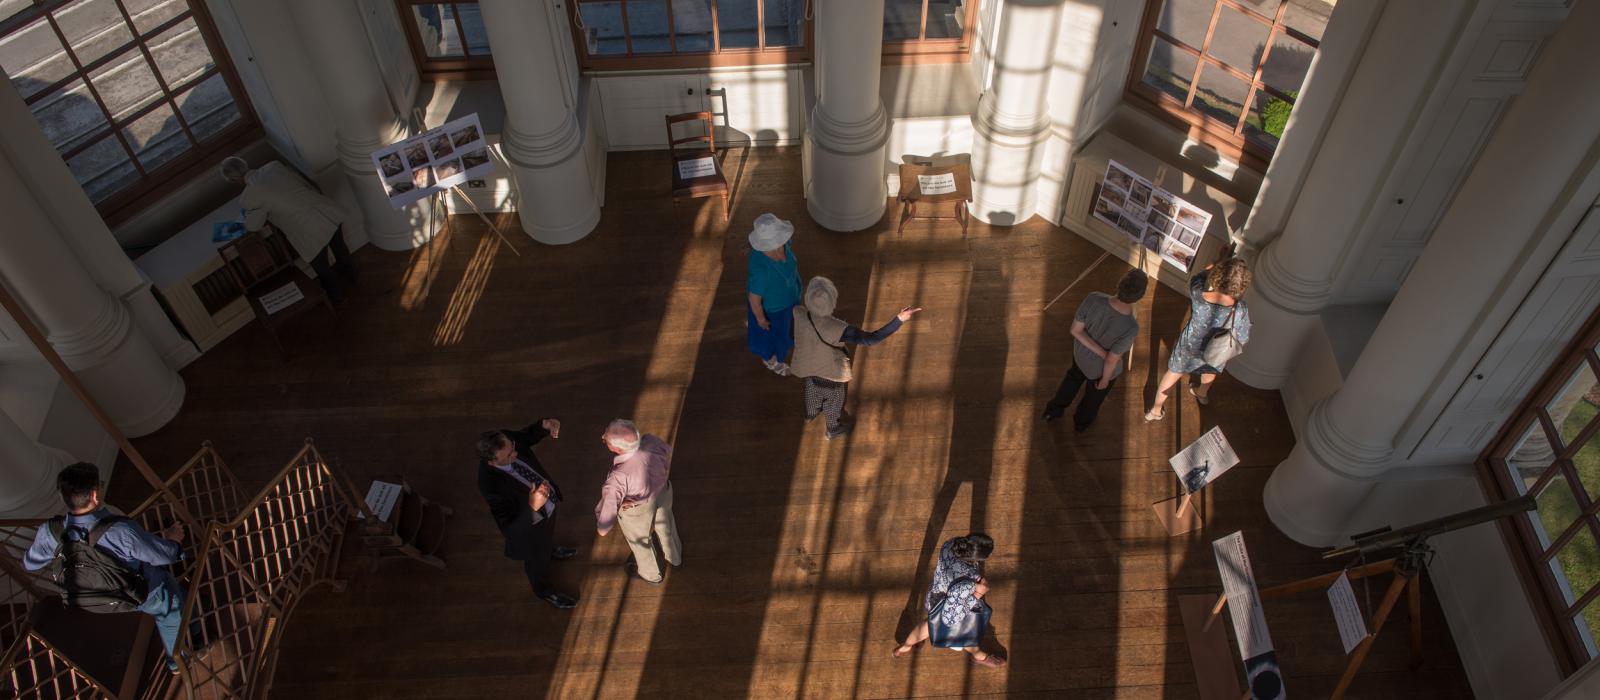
x=492, y=225
x=1382, y=616
x=1415, y=608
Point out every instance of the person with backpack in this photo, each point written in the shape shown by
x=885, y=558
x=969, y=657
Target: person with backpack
x=104, y=562
x=821, y=355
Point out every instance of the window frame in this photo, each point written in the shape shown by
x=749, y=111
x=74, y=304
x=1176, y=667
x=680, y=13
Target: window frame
x=1529, y=556
x=467, y=67
x=925, y=50
x=202, y=155
x=1228, y=140
x=718, y=57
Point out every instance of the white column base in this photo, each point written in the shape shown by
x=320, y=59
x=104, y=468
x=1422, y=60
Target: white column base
x=557, y=203
x=1005, y=165
x=387, y=228
x=844, y=170
x=1283, y=311
x=153, y=322
x=1314, y=495
x=123, y=371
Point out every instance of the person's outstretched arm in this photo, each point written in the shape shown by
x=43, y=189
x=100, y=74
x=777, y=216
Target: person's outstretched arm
x=857, y=336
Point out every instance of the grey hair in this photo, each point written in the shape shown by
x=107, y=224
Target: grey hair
x=234, y=169
x=623, y=435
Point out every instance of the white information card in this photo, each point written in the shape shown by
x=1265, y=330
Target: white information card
x=943, y=183
x=1204, y=460
x=1352, y=627
x=381, y=498
x=699, y=167
x=281, y=298
x=1244, y=604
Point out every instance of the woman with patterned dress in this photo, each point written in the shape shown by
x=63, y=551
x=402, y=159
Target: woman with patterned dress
x=773, y=286
x=958, y=584
x=1215, y=303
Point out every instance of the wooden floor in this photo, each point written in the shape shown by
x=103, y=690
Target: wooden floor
x=804, y=557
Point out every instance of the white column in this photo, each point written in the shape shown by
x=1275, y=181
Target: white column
x=27, y=473
x=93, y=331
x=57, y=192
x=1483, y=240
x=364, y=118
x=1012, y=121
x=1319, y=220
x=543, y=138
x=848, y=129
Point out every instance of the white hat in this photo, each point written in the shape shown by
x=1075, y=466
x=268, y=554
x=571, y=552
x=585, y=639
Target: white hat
x=770, y=233
x=821, y=296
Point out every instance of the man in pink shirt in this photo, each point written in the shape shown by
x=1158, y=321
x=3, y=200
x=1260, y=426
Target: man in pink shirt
x=638, y=498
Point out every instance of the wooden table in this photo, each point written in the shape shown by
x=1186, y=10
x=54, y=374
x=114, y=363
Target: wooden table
x=911, y=193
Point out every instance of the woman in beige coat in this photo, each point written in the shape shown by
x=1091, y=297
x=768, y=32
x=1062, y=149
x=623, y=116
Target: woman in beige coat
x=821, y=355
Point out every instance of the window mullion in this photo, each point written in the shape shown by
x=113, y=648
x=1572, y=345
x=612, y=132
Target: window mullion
x=1261, y=66
x=761, y=25
x=88, y=84
x=922, y=24
x=627, y=29
x=672, y=29
x=1199, y=66
x=716, y=28
x=161, y=81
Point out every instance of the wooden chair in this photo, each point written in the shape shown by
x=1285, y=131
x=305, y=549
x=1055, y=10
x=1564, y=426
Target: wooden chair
x=263, y=263
x=705, y=185
x=911, y=193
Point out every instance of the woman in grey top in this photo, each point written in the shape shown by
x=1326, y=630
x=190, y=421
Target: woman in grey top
x=1214, y=303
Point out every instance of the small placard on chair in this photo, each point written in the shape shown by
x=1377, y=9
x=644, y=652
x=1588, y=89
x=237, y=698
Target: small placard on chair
x=699, y=167
x=281, y=298
x=943, y=183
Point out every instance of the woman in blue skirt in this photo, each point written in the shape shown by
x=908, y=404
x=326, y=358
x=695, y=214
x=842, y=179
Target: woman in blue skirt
x=774, y=287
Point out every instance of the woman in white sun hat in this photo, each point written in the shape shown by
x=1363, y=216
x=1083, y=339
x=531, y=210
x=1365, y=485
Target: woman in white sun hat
x=774, y=288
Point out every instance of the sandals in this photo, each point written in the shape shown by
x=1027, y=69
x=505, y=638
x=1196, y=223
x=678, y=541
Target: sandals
x=1151, y=415
x=988, y=661
x=904, y=649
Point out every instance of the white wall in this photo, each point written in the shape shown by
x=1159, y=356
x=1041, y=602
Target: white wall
x=764, y=105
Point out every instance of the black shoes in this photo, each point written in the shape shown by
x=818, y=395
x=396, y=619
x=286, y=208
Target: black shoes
x=560, y=553
x=1049, y=415
x=558, y=601
x=633, y=571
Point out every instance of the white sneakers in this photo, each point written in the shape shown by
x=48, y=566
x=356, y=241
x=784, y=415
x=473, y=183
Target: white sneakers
x=778, y=367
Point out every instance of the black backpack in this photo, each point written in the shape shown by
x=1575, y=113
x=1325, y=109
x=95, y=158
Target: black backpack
x=91, y=578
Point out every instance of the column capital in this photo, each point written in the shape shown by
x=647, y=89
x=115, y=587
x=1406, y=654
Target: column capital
x=542, y=150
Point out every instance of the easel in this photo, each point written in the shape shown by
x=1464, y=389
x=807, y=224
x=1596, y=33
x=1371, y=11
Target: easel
x=434, y=201
x=1161, y=173
x=1178, y=515
x=1204, y=643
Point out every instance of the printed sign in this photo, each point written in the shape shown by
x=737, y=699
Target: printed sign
x=1244, y=604
x=381, y=498
x=943, y=183
x=1163, y=222
x=281, y=298
x=699, y=167
x=433, y=161
x=1352, y=626
x=1204, y=460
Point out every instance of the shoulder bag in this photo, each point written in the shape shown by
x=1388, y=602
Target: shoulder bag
x=967, y=632
x=1223, y=345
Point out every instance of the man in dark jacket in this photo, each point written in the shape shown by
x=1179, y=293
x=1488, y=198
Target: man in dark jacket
x=523, y=500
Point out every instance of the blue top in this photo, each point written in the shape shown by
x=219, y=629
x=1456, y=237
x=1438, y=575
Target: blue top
x=856, y=336
x=1188, y=354
x=133, y=545
x=777, y=283
x=955, y=581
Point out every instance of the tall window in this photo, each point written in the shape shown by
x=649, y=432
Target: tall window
x=928, y=29
x=1230, y=68
x=447, y=38
x=134, y=94
x=632, y=34
x=1553, y=450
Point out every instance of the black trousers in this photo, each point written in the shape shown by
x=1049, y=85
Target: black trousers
x=1089, y=407
x=341, y=260
x=534, y=568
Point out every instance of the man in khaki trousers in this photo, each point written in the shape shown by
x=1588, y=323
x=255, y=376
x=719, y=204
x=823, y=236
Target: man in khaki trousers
x=638, y=498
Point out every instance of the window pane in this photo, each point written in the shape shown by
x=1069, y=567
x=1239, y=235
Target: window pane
x=103, y=168
x=149, y=14
x=1557, y=508
x=736, y=24
x=1572, y=408
x=472, y=26
x=602, y=28
x=32, y=56
x=436, y=24
x=1531, y=457
x=1186, y=20
x=901, y=19
x=181, y=53
x=1587, y=459
x=945, y=18
x=1268, y=116
x=11, y=7
x=1265, y=8
x=125, y=86
x=93, y=28
x=1170, y=69
x=1287, y=64
x=1239, y=40
x=784, y=21
x=1309, y=17
x=1220, y=95
x=647, y=25
x=69, y=115
x=208, y=107
x=1579, y=562
x=1588, y=625
x=691, y=21
x=156, y=137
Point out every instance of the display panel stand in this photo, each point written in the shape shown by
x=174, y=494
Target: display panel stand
x=1178, y=515
x=492, y=225
x=1215, y=675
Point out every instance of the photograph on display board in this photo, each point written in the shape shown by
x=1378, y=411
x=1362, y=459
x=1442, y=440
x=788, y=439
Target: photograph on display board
x=1193, y=218
x=1187, y=237
x=474, y=159
x=1177, y=254
x=1152, y=240
x=1118, y=177
x=441, y=146
x=1105, y=211
x=1117, y=199
x=1139, y=196
x=400, y=187
x=390, y=164
x=1161, y=201
x=444, y=174
x=1159, y=222
x=422, y=177
x=464, y=136
x=416, y=154
x=1130, y=225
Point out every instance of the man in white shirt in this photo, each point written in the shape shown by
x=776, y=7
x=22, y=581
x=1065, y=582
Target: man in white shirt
x=313, y=223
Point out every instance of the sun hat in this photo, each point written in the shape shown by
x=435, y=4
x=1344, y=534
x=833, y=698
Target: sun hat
x=770, y=233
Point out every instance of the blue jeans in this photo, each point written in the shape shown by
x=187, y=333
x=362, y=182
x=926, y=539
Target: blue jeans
x=165, y=604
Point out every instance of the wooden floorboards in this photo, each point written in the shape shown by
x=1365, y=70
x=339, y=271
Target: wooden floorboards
x=803, y=557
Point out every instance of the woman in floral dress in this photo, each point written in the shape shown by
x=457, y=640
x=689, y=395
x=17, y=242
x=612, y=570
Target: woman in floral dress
x=959, y=584
x=1214, y=302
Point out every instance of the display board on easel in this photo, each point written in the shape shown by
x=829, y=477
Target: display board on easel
x=1161, y=221
x=1196, y=465
x=435, y=161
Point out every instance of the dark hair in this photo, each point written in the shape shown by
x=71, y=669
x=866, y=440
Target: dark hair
x=78, y=482
x=974, y=548
x=1132, y=286
x=490, y=443
x=1230, y=276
